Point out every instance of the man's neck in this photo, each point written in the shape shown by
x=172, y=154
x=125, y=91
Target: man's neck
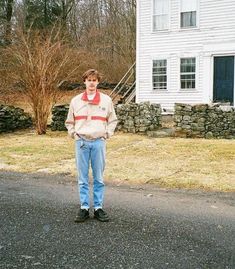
x=90, y=92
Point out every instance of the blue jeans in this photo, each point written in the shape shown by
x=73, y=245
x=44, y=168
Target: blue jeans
x=90, y=152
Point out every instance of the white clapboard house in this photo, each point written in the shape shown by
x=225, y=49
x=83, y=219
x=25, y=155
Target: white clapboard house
x=185, y=52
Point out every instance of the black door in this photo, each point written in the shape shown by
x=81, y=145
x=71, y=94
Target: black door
x=223, y=79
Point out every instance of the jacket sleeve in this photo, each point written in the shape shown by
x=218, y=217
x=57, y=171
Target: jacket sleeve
x=112, y=120
x=70, y=122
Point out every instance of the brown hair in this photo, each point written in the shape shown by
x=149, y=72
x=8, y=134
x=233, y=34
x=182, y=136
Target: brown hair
x=93, y=73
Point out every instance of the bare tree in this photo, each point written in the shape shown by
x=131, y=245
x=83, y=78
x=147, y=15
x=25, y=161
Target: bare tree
x=106, y=28
x=103, y=29
x=6, y=14
x=38, y=63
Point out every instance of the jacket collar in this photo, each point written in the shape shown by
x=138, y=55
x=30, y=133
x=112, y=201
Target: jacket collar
x=96, y=99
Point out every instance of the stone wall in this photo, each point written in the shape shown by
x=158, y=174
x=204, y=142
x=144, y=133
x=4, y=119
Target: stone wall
x=138, y=118
x=13, y=118
x=134, y=118
x=59, y=115
x=203, y=120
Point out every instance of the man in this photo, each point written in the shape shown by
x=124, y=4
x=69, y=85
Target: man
x=91, y=120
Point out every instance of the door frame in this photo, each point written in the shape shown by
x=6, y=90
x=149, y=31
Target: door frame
x=212, y=75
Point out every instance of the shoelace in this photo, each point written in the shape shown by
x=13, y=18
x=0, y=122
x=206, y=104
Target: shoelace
x=101, y=212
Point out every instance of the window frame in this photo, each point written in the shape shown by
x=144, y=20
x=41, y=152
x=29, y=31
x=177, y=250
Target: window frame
x=197, y=18
x=155, y=90
x=196, y=73
x=153, y=15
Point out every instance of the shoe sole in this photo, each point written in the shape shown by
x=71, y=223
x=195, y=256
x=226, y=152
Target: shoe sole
x=79, y=221
x=102, y=220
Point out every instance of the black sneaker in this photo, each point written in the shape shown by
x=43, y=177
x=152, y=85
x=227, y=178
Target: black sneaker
x=101, y=215
x=83, y=214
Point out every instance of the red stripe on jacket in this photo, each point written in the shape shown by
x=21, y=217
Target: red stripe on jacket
x=99, y=118
x=80, y=117
x=92, y=118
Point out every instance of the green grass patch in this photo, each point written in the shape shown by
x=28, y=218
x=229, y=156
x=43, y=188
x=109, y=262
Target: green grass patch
x=131, y=158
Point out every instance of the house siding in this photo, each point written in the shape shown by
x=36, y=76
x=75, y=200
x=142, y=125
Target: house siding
x=215, y=35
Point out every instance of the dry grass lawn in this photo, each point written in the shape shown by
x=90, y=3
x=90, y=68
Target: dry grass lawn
x=168, y=162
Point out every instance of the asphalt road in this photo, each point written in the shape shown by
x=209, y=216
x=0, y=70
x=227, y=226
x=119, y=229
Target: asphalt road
x=149, y=227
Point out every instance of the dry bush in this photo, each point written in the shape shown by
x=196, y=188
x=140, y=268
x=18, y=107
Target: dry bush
x=37, y=64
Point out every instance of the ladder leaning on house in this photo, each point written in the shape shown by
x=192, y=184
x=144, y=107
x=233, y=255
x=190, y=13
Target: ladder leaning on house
x=125, y=87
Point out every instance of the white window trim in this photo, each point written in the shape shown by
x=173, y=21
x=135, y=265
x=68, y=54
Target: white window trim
x=197, y=19
x=196, y=89
x=167, y=58
x=169, y=18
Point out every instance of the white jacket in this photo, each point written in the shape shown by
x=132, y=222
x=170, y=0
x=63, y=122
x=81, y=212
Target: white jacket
x=91, y=119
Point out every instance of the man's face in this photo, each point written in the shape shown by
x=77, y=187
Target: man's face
x=91, y=84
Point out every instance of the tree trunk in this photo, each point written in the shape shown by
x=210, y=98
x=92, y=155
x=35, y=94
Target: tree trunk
x=42, y=109
x=8, y=29
x=45, y=14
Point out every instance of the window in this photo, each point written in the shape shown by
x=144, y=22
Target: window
x=159, y=74
x=187, y=73
x=188, y=13
x=160, y=14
